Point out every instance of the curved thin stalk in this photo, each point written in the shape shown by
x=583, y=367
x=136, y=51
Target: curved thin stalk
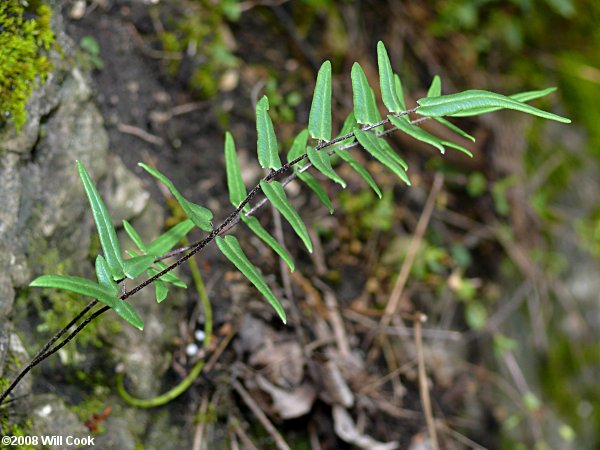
x=162, y=399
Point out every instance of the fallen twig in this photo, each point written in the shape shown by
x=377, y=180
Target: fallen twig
x=260, y=415
x=423, y=387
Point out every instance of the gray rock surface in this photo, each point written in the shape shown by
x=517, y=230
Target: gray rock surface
x=46, y=226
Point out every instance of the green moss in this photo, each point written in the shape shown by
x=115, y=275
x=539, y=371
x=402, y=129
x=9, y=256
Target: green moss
x=9, y=428
x=200, y=31
x=23, y=42
x=93, y=404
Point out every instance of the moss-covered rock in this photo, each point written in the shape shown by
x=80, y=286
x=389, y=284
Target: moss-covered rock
x=25, y=36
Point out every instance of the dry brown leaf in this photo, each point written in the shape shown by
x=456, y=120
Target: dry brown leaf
x=346, y=430
x=289, y=404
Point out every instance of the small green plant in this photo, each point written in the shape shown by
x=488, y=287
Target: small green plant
x=92, y=51
x=23, y=42
x=364, y=128
x=208, y=53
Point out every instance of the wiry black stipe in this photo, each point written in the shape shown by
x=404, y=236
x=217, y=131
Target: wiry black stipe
x=194, y=248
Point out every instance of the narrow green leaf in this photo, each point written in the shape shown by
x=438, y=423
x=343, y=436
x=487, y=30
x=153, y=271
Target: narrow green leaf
x=166, y=241
x=347, y=127
x=137, y=265
x=169, y=277
x=135, y=237
x=346, y=156
x=370, y=142
x=435, y=90
x=319, y=120
x=257, y=228
x=314, y=186
x=160, y=290
x=298, y=148
x=321, y=160
x=457, y=147
x=268, y=156
x=104, y=276
x=235, y=183
x=387, y=148
x=365, y=107
x=417, y=133
x=126, y=311
x=400, y=94
x=521, y=97
x=78, y=285
x=532, y=95
x=199, y=215
x=106, y=230
x=454, y=128
x=275, y=192
x=230, y=247
x=423, y=136
x=386, y=80
x=446, y=105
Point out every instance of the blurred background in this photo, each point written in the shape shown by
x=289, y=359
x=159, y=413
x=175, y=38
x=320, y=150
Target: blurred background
x=503, y=262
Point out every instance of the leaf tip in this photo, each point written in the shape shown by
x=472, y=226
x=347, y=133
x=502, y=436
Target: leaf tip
x=263, y=102
x=36, y=283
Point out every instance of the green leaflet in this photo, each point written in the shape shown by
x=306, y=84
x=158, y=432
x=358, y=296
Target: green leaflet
x=263, y=234
x=446, y=105
x=321, y=160
x=400, y=94
x=319, y=120
x=104, y=277
x=168, y=277
x=230, y=247
x=268, y=156
x=298, y=148
x=137, y=265
x=235, y=183
x=166, y=241
x=106, y=230
x=135, y=237
x=521, y=97
x=78, y=285
x=198, y=214
x=161, y=245
x=423, y=136
x=370, y=142
x=276, y=194
x=435, y=90
x=386, y=81
x=387, y=148
x=94, y=290
x=347, y=127
x=454, y=128
x=126, y=311
x=346, y=156
x=417, y=132
x=160, y=291
x=314, y=185
x=458, y=147
x=365, y=108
